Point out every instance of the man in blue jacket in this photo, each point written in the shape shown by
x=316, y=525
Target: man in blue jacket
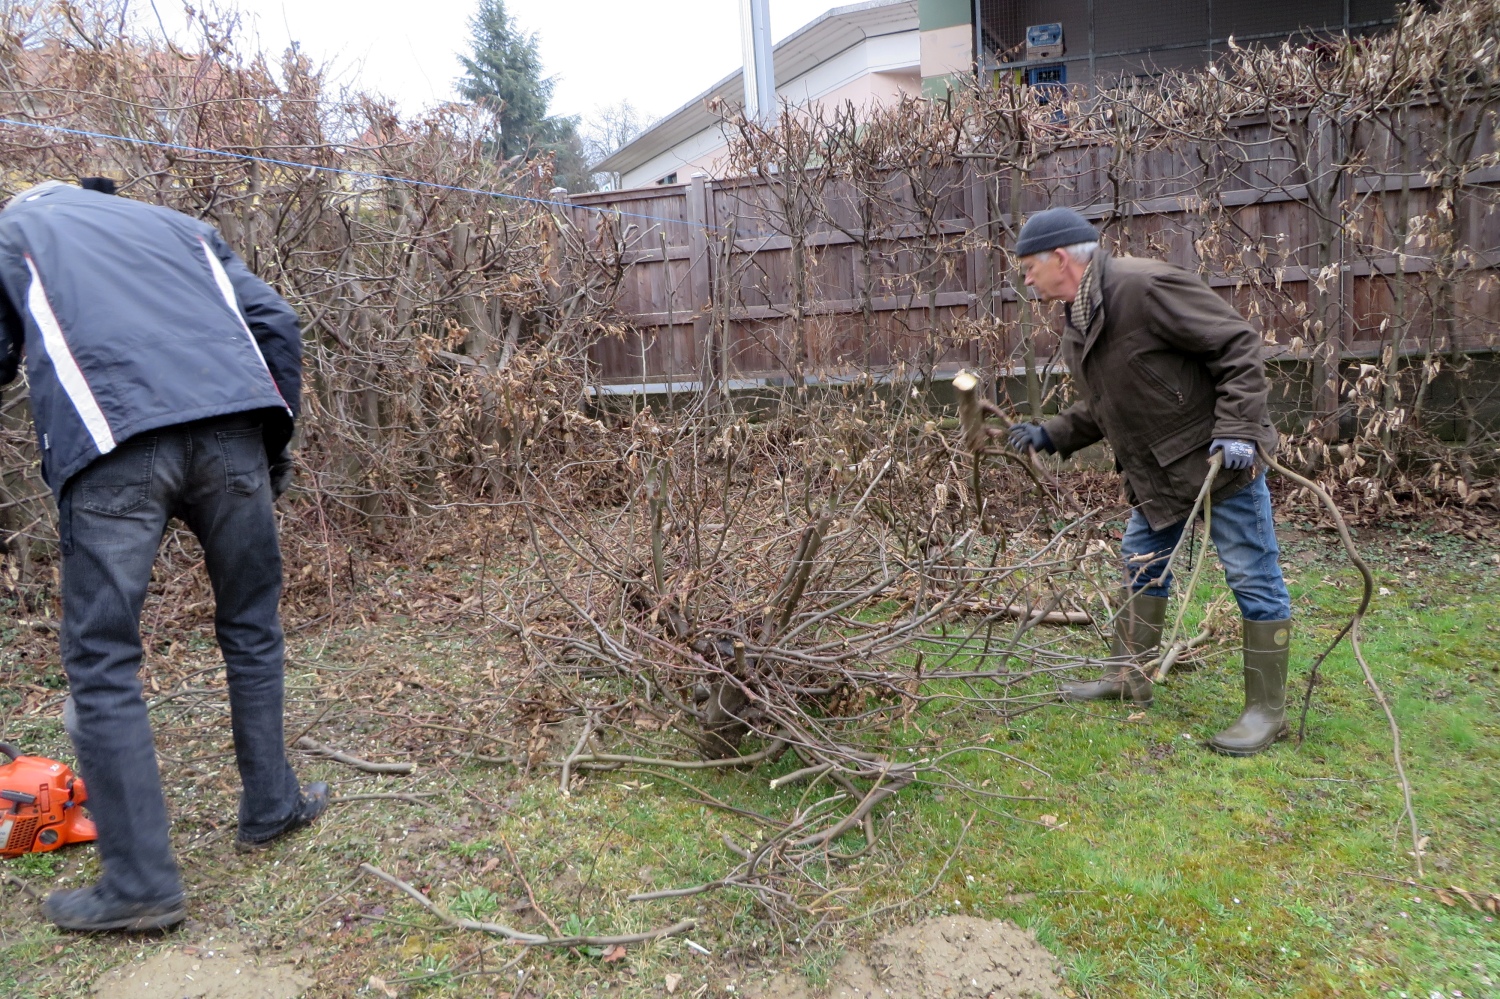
x=165, y=380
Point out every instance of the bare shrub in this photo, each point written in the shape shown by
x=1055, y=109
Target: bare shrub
x=447, y=321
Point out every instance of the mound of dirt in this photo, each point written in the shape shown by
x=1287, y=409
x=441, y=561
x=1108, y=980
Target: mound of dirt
x=950, y=957
x=227, y=972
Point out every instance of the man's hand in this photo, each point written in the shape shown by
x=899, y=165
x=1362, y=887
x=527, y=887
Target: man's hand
x=1024, y=436
x=281, y=472
x=1238, y=455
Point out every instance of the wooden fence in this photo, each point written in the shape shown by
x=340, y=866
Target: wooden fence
x=910, y=278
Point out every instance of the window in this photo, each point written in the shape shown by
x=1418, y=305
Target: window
x=670, y=178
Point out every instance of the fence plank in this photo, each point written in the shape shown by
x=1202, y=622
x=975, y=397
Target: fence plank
x=699, y=279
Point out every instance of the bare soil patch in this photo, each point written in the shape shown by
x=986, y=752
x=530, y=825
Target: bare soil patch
x=228, y=972
x=949, y=957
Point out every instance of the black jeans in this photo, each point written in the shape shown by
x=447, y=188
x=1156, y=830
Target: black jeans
x=212, y=474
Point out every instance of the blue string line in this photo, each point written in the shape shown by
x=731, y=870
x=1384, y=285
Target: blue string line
x=341, y=170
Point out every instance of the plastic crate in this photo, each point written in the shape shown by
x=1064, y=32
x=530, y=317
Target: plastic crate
x=1044, y=41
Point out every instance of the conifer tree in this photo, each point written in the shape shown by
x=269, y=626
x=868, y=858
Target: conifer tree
x=504, y=73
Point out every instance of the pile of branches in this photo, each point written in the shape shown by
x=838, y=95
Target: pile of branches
x=802, y=585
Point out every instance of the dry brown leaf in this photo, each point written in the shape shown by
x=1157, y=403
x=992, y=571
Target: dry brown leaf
x=378, y=984
x=1489, y=903
x=671, y=982
x=615, y=953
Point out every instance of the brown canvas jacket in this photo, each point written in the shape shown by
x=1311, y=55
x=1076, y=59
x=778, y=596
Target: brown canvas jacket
x=1164, y=368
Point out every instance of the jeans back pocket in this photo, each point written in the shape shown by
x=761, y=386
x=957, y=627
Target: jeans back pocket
x=119, y=483
x=244, y=460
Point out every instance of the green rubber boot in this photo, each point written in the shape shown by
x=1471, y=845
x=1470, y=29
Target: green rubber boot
x=1138, y=628
x=1267, y=649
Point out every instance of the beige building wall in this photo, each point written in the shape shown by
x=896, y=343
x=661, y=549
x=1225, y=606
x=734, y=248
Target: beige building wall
x=872, y=89
x=946, y=51
x=875, y=88
x=705, y=151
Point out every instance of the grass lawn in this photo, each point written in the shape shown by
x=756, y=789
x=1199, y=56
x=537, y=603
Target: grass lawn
x=1160, y=869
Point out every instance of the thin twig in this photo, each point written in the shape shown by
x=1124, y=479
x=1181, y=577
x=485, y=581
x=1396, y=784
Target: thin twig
x=528, y=939
x=314, y=723
x=312, y=746
x=567, y=765
x=319, y=907
x=530, y=895
x=1486, y=902
x=449, y=976
x=11, y=879
x=415, y=799
x=1353, y=628
x=962, y=835
x=1157, y=671
x=615, y=760
x=796, y=775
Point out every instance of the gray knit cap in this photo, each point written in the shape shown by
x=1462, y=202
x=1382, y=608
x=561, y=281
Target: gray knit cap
x=1055, y=227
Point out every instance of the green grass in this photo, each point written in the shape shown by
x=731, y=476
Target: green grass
x=1170, y=871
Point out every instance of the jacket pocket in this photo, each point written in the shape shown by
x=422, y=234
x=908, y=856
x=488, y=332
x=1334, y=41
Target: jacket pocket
x=1147, y=373
x=1180, y=443
x=244, y=460
x=118, y=483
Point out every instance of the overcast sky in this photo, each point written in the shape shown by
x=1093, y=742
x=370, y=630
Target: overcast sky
x=657, y=54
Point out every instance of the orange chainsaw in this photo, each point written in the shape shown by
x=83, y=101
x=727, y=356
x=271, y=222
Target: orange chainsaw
x=40, y=803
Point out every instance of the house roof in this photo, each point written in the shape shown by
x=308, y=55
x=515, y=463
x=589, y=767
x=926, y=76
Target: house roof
x=817, y=41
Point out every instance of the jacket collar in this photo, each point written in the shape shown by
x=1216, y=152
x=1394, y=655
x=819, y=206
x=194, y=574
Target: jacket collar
x=1095, y=322
x=34, y=192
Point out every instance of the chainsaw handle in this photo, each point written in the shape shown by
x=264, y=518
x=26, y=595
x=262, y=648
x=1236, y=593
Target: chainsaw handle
x=9, y=750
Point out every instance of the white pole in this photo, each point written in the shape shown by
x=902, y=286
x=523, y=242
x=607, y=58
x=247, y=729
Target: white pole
x=760, y=72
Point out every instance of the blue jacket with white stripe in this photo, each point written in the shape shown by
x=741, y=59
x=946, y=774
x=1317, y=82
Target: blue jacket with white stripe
x=133, y=317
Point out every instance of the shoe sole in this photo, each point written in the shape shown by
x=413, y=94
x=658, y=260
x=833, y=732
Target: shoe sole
x=254, y=847
x=158, y=921
x=260, y=846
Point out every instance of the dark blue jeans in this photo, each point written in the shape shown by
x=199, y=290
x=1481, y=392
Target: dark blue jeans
x=212, y=474
x=1244, y=533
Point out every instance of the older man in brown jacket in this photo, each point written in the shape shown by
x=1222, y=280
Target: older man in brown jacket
x=1168, y=373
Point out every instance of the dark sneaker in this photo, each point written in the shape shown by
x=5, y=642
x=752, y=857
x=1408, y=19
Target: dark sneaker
x=314, y=802
x=96, y=910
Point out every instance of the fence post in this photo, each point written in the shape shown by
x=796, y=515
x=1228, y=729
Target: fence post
x=1327, y=355
x=982, y=271
x=699, y=286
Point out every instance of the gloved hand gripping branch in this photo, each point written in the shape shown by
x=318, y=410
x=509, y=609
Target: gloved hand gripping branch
x=1032, y=436
x=1238, y=455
